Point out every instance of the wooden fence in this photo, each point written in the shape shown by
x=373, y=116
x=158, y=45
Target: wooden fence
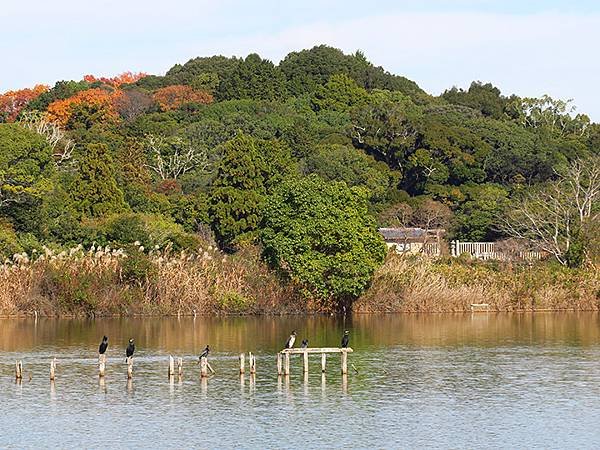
x=490, y=250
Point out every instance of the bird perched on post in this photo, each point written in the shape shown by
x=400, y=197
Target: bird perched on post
x=290, y=342
x=130, y=349
x=103, y=345
x=345, y=339
x=304, y=343
x=204, y=354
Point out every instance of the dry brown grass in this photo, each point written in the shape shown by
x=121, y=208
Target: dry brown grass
x=97, y=283
x=416, y=284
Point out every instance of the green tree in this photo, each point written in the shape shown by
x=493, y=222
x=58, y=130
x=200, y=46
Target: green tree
x=26, y=164
x=238, y=192
x=321, y=236
x=248, y=171
x=253, y=78
x=336, y=162
x=340, y=93
x=95, y=191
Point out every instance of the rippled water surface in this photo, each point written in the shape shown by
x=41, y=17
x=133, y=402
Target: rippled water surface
x=437, y=381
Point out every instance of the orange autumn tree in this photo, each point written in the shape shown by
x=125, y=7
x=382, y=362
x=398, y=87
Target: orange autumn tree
x=95, y=104
x=13, y=102
x=124, y=78
x=172, y=97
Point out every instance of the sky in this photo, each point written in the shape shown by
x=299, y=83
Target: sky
x=526, y=47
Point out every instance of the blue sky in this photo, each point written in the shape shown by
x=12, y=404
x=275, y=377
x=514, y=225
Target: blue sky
x=528, y=47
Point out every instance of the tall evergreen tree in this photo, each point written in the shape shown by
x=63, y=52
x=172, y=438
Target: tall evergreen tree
x=95, y=189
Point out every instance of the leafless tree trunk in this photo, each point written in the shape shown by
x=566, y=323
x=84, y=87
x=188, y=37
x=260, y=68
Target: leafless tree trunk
x=172, y=158
x=56, y=137
x=554, y=216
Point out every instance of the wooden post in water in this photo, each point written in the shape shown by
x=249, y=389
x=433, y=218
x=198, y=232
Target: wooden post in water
x=171, y=366
x=242, y=364
x=323, y=362
x=279, y=364
x=252, y=363
x=180, y=367
x=286, y=364
x=203, y=367
x=101, y=365
x=305, y=362
x=129, y=367
x=18, y=370
x=52, y=369
x=344, y=363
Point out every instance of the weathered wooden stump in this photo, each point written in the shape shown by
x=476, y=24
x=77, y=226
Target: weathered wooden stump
x=180, y=367
x=52, y=369
x=101, y=365
x=344, y=362
x=203, y=367
x=171, y=366
x=305, y=362
x=323, y=362
x=18, y=370
x=252, y=363
x=129, y=367
x=279, y=363
x=242, y=363
x=286, y=364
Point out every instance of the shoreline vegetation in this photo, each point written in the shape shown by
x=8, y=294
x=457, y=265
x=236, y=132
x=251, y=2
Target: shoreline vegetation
x=136, y=282
x=236, y=185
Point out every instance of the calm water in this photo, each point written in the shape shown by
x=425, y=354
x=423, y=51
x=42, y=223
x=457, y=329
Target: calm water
x=437, y=381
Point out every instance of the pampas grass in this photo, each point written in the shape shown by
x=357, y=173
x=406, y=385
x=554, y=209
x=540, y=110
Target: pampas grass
x=418, y=284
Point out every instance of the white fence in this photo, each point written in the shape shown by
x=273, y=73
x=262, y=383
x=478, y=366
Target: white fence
x=490, y=250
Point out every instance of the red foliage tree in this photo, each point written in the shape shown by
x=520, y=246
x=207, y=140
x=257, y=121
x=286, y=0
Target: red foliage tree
x=13, y=102
x=97, y=102
x=124, y=78
x=172, y=97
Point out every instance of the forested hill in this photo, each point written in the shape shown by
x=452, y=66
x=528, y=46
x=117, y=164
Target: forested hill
x=203, y=150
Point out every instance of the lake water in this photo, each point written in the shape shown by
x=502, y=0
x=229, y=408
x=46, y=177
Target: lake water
x=436, y=381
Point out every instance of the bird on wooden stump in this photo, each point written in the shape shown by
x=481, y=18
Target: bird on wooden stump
x=204, y=354
x=103, y=345
x=290, y=342
x=130, y=349
x=304, y=343
x=346, y=339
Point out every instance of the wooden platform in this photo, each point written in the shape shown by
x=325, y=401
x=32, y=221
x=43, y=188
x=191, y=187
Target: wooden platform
x=294, y=351
x=283, y=358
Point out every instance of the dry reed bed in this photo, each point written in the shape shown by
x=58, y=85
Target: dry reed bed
x=114, y=282
x=417, y=284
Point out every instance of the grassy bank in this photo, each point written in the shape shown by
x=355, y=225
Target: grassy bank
x=106, y=282
x=111, y=282
x=451, y=285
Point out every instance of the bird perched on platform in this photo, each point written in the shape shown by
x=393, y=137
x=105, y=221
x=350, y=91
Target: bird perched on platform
x=290, y=342
x=130, y=349
x=103, y=345
x=346, y=339
x=304, y=343
x=204, y=354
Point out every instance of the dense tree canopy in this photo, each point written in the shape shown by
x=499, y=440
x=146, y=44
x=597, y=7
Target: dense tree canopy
x=237, y=148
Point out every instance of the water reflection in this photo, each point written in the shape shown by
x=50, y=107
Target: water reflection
x=435, y=378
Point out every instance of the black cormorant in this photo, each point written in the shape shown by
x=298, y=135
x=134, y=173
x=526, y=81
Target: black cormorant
x=204, y=354
x=103, y=345
x=345, y=339
x=304, y=343
x=290, y=342
x=130, y=349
